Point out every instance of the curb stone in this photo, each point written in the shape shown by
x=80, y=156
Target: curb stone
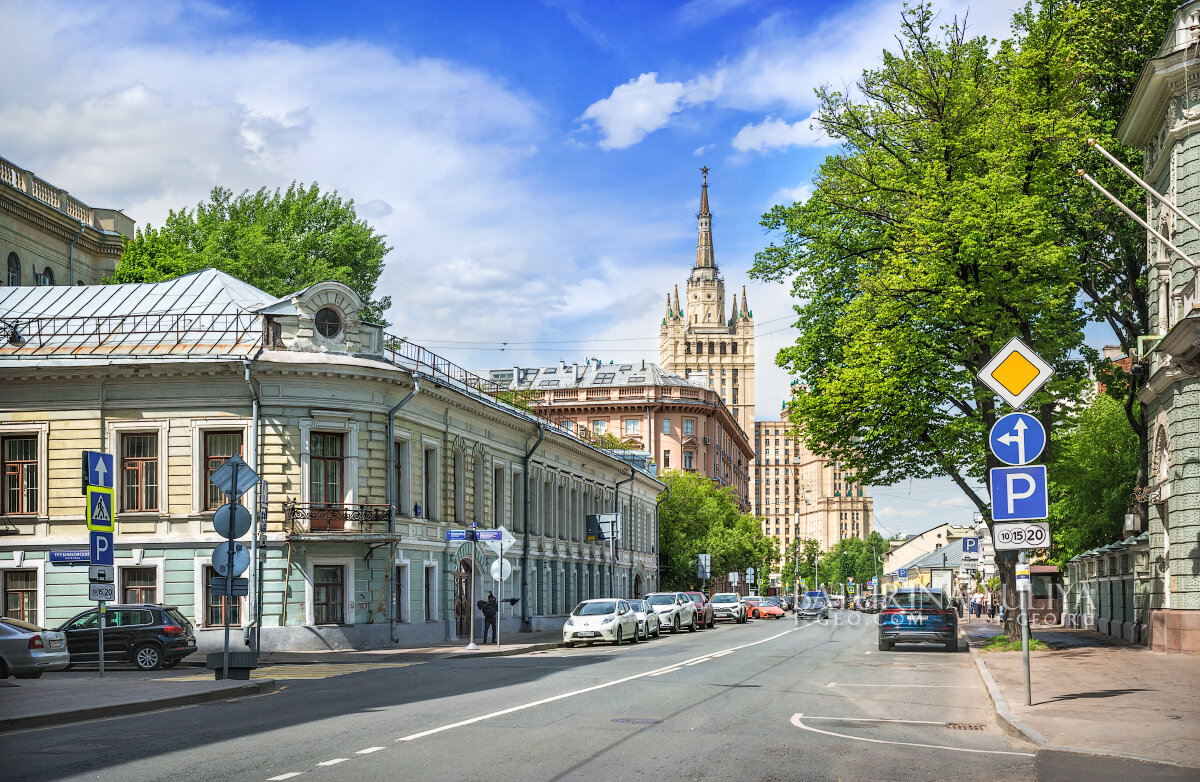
x=1008, y=721
x=504, y=652
x=133, y=707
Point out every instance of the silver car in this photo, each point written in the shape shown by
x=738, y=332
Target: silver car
x=648, y=622
x=27, y=651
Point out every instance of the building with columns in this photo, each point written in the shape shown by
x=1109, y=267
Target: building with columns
x=703, y=339
x=1162, y=119
x=48, y=237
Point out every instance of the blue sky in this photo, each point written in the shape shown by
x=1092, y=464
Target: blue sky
x=535, y=165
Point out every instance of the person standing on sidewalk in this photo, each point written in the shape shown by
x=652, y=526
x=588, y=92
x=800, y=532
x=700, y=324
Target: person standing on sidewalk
x=489, y=608
x=976, y=604
x=991, y=605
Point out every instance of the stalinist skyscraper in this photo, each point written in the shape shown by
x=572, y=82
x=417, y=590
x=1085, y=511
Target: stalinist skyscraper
x=704, y=340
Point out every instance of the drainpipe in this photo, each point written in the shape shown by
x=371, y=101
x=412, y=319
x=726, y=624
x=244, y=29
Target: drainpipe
x=393, y=489
x=526, y=615
x=71, y=257
x=612, y=551
x=255, y=633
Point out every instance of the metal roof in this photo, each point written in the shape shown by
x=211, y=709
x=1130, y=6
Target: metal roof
x=591, y=374
x=933, y=559
x=207, y=312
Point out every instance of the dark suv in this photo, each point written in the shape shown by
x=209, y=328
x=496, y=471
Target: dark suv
x=150, y=636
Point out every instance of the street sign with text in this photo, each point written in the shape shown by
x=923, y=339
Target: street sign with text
x=1017, y=535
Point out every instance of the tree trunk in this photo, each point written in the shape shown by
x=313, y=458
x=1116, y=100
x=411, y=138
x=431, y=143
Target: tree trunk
x=1006, y=568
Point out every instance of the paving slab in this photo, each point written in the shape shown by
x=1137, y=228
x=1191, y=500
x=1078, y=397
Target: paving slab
x=1100, y=695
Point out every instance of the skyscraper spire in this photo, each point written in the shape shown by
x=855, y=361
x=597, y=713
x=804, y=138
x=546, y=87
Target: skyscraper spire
x=704, y=247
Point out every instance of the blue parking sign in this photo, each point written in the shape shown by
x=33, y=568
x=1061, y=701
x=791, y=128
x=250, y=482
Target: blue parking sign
x=102, y=548
x=1019, y=493
x=902, y=573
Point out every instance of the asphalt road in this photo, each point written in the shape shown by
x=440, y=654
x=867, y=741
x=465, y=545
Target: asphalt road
x=770, y=700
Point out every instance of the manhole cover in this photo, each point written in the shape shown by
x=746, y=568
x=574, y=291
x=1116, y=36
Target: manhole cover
x=966, y=726
x=80, y=746
x=636, y=721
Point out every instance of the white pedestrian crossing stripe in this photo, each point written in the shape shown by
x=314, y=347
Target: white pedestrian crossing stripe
x=300, y=671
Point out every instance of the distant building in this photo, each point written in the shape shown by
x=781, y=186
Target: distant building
x=47, y=237
x=703, y=340
x=902, y=552
x=684, y=425
x=799, y=494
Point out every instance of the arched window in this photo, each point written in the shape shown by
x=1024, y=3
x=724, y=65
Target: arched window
x=711, y=348
x=14, y=269
x=722, y=348
x=46, y=277
x=734, y=345
x=700, y=348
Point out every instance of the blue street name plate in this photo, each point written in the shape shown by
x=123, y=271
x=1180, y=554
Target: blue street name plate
x=456, y=534
x=82, y=557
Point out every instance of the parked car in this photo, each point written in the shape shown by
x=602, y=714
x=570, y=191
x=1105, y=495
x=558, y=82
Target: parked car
x=151, y=636
x=786, y=602
x=777, y=602
x=27, y=651
x=648, y=623
x=706, y=613
x=605, y=619
x=919, y=616
x=727, y=605
x=814, y=605
x=675, y=610
x=761, y=608
x=837, y=601
x=874, y=604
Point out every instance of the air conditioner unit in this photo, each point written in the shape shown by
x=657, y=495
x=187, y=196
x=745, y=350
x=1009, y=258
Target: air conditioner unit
x=708, y=441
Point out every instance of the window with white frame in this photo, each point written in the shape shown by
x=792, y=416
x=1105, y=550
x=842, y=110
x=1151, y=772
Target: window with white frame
x=21, y=595
x=631, y=426
x=329, y=594
x=139, y=471
x=216, y=607
x=689, y=427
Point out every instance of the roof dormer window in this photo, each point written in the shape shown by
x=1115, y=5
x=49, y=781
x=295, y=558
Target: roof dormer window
x=329, y=322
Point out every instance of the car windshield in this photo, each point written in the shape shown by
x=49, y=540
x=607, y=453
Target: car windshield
x=20, y=625
x=753, y=601
x=637, y=605
x=917, y=599
x=662, y=600
x=812, y=602
x=730, y=598
x=595, y=609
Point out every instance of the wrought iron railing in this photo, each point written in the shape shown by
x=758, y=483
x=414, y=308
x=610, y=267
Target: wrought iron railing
x=306, y=517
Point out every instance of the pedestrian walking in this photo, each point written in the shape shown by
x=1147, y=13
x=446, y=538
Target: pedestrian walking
x=991, y=606
x=976, y=604
x=489, y=607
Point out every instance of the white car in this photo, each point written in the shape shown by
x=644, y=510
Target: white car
x=727, y=605
x=648, y=623
x=675, y=610
x=606, y=619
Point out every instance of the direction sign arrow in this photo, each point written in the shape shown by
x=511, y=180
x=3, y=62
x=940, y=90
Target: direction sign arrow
x=1017, y=438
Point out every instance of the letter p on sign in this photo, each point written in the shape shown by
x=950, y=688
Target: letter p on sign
x=1019, y=493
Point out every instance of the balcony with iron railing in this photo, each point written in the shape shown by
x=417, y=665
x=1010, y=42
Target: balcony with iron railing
x=349, y=522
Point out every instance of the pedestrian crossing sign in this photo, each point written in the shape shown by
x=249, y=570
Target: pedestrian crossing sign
x=100, y=509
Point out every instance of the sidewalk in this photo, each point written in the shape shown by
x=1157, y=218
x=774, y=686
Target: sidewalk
x=1095, y=694
x=61, y=697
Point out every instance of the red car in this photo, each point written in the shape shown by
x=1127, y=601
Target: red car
x=704, y=609
x=757, y=608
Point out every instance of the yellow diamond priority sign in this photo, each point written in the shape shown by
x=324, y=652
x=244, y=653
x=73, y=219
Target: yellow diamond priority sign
x=1015, y=373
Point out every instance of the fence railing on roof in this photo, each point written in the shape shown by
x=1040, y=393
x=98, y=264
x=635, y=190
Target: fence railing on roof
x=228, y=333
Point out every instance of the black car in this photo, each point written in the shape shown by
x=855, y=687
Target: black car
x=919, y=616
x=150, y=636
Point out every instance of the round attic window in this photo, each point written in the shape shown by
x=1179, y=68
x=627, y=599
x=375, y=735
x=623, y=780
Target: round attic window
x=329, y=322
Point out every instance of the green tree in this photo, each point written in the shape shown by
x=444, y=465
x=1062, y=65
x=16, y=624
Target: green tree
x=1091, y=478
x=277, y=241
x=614, y=443
x=929, y=241
x=809, y=552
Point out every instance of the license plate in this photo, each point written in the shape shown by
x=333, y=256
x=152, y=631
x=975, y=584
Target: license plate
x=586, y=634
x=917, y=619
x=56, y=644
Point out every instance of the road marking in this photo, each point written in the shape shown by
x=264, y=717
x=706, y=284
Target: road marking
x=282, y=777
x=333, y=762
x=573, y=693
x=922, y=686
x=697, y=662
x=797, y=720
x=368, y=750
x=668, y=670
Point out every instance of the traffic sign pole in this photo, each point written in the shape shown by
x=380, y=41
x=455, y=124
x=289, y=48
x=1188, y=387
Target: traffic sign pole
x=1023, y=589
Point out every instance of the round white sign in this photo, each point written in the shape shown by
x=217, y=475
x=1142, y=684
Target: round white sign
x=501, y=570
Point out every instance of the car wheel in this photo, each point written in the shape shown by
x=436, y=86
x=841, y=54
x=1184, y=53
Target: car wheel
x=34, y=675
x=635, y=638
x=148, y=657
x=675, y=626
x=885, y=646
x=712, y=623
x=619, y=638
x=658, y=631
x=692, y=627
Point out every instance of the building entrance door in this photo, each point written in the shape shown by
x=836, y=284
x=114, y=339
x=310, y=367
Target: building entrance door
x=462, y=599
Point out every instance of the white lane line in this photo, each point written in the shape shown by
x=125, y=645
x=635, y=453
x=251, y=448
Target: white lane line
x=368, y=750
x=798, y=722
x=282, y=777
x=333, y=762
x=697, y=662
x=922, y=686
x=669, y=670
x=573, y=693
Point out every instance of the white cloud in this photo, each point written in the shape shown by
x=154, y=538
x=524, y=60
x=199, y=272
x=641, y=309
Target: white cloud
x=791, y=195
x=704, y=150
x=776, y=134
x=786, y=58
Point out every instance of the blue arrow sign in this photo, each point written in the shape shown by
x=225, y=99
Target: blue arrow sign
x=1017, y=438
x=98, y=468
x=1019, y=493
x=102, y=548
